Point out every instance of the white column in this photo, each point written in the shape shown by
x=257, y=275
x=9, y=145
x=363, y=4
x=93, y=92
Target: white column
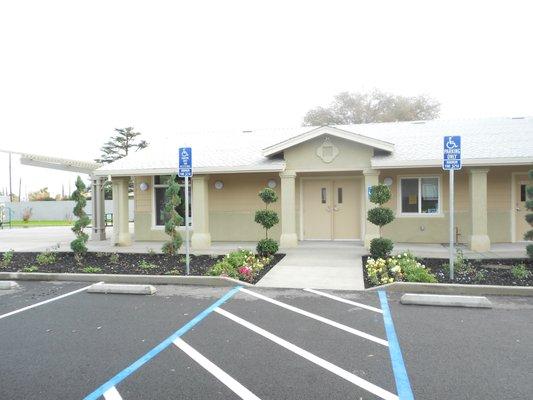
x=289, y=238
x=201, y=237
x=371, y=230
x=121, y=229
x=479, y=239
x=98, y=205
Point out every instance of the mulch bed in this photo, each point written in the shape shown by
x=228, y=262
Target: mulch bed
x=124, y=263
x=479, y=272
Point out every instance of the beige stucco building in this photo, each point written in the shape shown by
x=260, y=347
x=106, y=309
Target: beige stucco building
x=322, y=175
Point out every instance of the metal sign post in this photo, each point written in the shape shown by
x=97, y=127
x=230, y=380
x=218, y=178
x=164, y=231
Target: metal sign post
x=451, y=161
x=185, y=171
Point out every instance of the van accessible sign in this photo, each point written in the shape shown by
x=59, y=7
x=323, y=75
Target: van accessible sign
x=452, y=153
x=185, y=162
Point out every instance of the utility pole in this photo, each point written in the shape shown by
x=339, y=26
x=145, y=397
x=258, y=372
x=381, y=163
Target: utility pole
x=10, y=191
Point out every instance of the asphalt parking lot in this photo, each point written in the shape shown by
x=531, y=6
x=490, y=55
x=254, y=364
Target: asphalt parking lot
x=59, y=342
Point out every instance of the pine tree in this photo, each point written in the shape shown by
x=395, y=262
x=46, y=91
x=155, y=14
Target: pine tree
x=119, y=146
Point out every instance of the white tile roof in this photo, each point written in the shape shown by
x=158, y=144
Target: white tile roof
x=484, y=141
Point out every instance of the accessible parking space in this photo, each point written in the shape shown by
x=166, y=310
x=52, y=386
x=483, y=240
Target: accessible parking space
x=252, y=343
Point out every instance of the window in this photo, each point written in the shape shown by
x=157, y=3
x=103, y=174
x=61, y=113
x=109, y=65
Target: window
x=160, y=186
x=420, y=195
x=323, y=194
x=339, y=195
x=522, y=192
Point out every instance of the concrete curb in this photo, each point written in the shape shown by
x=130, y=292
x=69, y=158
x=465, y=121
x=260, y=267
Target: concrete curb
x=443, y=300
x=118, y=288
x=8, y=285
x=455, y=288
x=118, y=278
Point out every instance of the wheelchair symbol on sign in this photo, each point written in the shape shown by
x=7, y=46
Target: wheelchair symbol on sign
x=450, y=144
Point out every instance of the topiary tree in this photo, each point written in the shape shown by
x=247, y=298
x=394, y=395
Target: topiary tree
x=172, y=219
x=78, y=245
x=267, y=218
x=380, y=216
x=529, y=217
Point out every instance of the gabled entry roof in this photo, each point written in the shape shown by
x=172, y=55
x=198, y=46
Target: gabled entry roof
x=331, y=131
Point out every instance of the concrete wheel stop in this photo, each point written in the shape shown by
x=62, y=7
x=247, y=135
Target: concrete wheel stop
x=8, y=285
x=117, y=288
x=442, y=300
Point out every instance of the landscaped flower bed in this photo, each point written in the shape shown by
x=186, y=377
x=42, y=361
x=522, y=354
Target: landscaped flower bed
x=122, y=263
x=503, y=272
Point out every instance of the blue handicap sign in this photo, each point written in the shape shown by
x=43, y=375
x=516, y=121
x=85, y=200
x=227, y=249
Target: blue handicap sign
x=451, y=152
x=185, y=162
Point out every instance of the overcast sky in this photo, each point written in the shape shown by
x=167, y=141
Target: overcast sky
x=71, y=71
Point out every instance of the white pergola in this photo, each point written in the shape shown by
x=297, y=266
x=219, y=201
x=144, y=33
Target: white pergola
x=80, y=166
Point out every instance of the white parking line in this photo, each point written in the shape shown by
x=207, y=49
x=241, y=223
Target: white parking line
x=112, y=394
x=319, y=318
x=44, y=302
x=353, y=303
x=223, y=377
x=370, y=387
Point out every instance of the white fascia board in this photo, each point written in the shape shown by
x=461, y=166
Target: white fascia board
x=197, y=170
x=473, y=162
x=327, y=130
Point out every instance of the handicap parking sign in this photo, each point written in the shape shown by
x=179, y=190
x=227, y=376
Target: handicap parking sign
x=451, y=153
x=185, y=162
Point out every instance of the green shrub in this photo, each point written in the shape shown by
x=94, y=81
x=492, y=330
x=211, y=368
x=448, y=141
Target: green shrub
x=78, y=245
x=46, y=258
x=241, y=264
x=173, y=272
x=172, y=219
x=31, y=268
x=267, y=247
x=91, y=270
x=380, y=194
x=380, y=247
x=404, y=267
x=520, y=272
x=268, y=196
x=380, y=216
x=113, y=258
x=7, y=258
x=147, y=265
x=267, y=218
x=529, y=249
x=224, y=268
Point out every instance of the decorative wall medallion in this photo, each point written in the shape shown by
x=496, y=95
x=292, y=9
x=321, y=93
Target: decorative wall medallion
x=327, y=151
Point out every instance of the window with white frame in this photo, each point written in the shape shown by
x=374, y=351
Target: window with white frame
x=419, y=195
x=159, y=199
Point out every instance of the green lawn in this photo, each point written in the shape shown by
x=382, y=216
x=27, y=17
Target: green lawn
x=37, y=223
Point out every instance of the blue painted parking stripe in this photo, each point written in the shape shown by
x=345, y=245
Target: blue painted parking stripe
x=398, y=367
x=160, y=347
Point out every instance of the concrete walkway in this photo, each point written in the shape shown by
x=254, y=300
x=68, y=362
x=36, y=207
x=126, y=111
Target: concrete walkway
x=319, y=265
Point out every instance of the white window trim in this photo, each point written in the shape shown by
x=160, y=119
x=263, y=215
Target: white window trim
x=162, y=227
x=419, y=214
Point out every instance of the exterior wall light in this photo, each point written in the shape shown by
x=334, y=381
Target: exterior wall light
x=219, y=185
x=272, y=183
x=387, y=181
x=143, y=186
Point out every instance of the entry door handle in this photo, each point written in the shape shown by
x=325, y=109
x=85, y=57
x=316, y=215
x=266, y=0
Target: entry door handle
x=336, y=208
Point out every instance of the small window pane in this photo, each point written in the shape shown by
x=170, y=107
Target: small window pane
x=339, y=195
x=409, y=188
x=430, y=195
x=522, y=192
x=323, y=192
